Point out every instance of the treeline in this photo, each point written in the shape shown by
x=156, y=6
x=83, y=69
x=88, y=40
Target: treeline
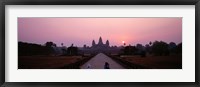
x=157, y=48
x=70, y=51
x=27, y=49
x=49, y=48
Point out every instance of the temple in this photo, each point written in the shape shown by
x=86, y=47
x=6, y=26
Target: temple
x=99, y=47
x=100, y=44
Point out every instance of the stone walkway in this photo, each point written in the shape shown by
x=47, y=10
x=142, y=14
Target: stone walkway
x=98, y=62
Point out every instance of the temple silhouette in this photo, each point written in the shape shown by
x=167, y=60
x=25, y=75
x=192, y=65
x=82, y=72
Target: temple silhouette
x=100, y=47
x=100, y=44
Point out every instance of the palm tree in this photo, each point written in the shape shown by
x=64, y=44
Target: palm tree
x=62, y=44
x=150, y=43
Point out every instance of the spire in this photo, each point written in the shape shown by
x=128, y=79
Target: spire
x=100, y=41
x=93, y=43
x=107, y=43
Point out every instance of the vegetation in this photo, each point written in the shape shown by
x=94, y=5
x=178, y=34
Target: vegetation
x=157, y=48
x=160, y=48
x=29, y=49
x=158, y=55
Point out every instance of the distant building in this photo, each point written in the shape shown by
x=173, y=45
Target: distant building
x=100, y=44
x=100, y=47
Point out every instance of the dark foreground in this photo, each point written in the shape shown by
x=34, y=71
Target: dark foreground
x=77, y=62
x=152, y=62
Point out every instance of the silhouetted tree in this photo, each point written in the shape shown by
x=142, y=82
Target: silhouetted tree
x=150, y=43
x=172, y=48
x=148, y=48
x=160, y=48
x=140, y=47
x=179, y=48
x=49, y=46
x=28, y=49
x=130, y=50
x=72, y=50
x=84, y=46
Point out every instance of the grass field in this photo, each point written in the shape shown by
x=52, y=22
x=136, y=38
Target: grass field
x=45, y=62
x=157, y=62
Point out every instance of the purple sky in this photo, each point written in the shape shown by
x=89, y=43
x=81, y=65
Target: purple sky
x=80, y=31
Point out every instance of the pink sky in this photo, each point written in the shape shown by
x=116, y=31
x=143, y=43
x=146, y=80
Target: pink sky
x=80, y=31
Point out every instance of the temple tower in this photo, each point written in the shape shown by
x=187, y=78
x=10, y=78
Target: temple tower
x=93, y=43
x=100, y=41
x=107, y=43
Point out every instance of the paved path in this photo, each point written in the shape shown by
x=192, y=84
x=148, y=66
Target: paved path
x=99, y=60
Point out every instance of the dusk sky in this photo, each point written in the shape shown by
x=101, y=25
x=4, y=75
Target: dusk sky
x=80, y=31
